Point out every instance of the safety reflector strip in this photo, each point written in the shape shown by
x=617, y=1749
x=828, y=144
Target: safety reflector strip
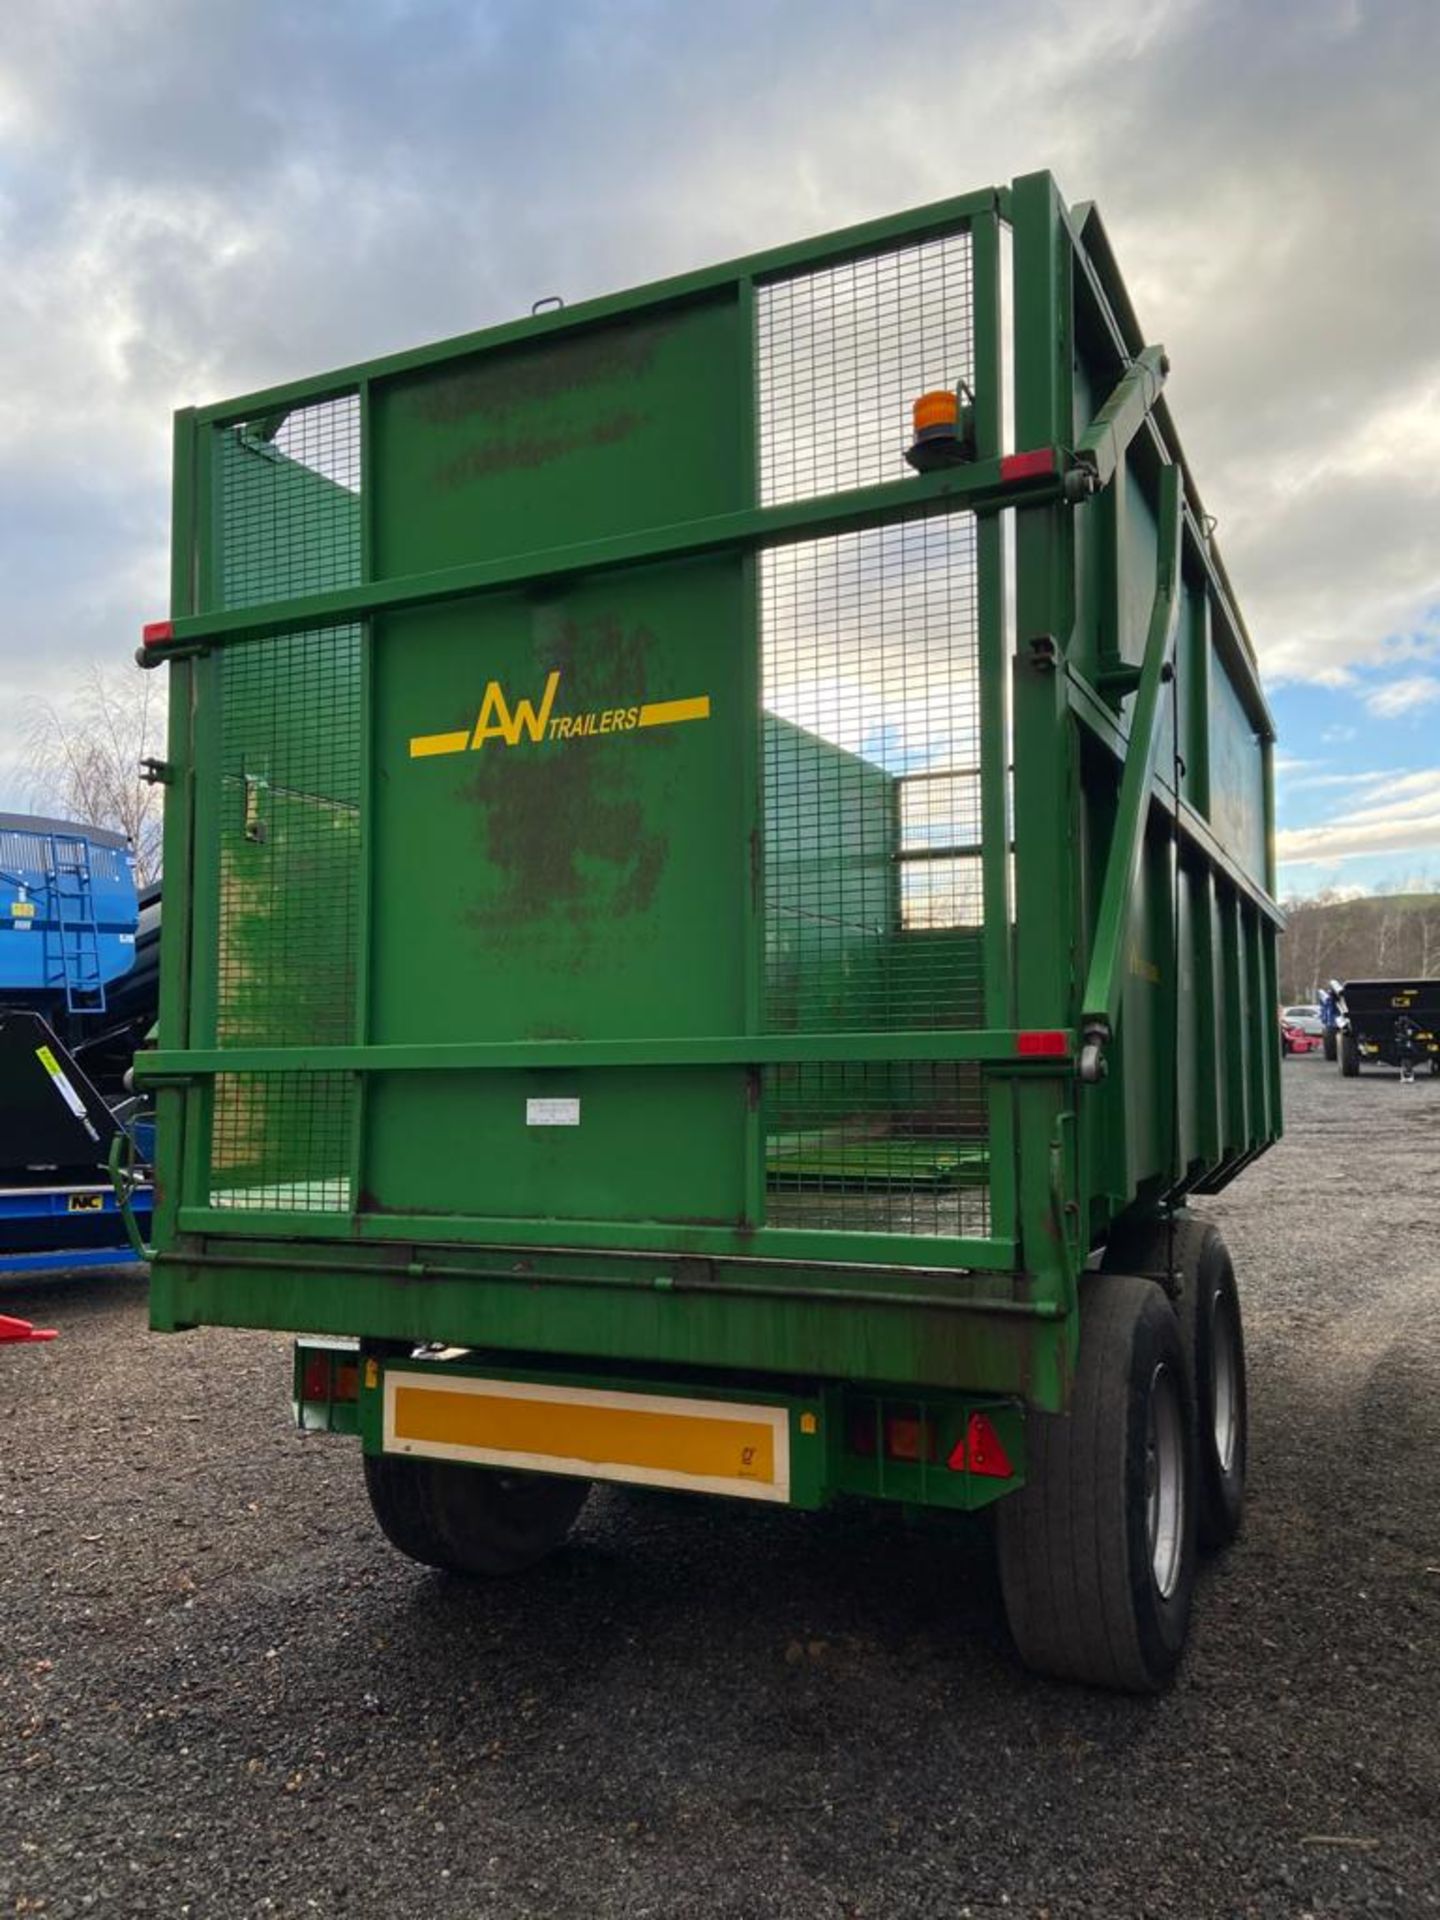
x=653, y=1440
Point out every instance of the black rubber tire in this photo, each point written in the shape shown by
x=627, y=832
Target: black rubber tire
x=1208, y=1302
x=479, y=1521
x=1331, y=1050
x=1075, y=1561
x=1349, y=1055
x=1284, y=1047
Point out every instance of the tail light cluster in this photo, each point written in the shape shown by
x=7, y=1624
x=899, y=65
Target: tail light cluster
x=913, y=1437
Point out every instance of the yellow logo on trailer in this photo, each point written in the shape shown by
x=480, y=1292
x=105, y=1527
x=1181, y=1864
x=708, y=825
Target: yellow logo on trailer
x=537, y=721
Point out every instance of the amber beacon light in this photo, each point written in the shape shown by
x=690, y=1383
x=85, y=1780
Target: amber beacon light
x=944, y=423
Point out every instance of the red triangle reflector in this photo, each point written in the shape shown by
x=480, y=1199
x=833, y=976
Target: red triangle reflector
x=987, y=1456
x=981, y=1451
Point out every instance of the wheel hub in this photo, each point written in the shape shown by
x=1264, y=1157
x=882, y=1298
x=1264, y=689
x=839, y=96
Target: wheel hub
x=1224, y=1381
x=1165, y=1481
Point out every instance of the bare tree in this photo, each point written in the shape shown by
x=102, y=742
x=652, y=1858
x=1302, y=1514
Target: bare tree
x=83, y=757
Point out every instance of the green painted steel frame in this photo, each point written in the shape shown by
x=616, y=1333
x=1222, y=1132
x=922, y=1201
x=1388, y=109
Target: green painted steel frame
x=823, y=1416
x=199, y=625
x=772, y=1299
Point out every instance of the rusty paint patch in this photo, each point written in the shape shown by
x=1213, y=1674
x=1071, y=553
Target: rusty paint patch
x=502, y=383
x=537, y=450
x=563, y=833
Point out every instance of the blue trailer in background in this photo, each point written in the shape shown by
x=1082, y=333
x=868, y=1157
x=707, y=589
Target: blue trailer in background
x=78, y=963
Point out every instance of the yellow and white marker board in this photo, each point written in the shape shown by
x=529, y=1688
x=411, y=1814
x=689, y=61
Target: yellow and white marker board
x=650, y=1440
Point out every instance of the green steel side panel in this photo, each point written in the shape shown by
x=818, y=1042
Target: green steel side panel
x=562, y=439
x=647, y=1145
x=1237, y=776
x=565, y=883
x=1192, y=693
x=790, y=1324
x=567, y=871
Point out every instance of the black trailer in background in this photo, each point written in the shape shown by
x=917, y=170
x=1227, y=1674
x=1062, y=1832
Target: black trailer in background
x=1392, y=1023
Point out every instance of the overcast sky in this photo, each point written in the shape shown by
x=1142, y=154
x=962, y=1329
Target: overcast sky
x=198, y=197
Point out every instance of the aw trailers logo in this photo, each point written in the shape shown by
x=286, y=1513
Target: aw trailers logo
x=498, y=720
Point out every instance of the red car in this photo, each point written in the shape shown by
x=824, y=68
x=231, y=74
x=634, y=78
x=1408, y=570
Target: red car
x=1296, y=1040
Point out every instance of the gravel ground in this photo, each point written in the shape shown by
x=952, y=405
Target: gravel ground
x=221, y=1693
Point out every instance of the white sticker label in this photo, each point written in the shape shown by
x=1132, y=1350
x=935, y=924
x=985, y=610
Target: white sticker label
x=552, y=1113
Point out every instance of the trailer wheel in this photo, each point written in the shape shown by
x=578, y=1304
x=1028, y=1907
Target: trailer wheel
x=471, y=1520
x=1213, y=1336
x=1097, y=1552
x=1349, y=1055
x=1329, y=1045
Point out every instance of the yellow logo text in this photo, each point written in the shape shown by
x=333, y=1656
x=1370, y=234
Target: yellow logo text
x=536, y=721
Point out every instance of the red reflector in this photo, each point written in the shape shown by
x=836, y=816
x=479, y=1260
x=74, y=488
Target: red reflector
x=157, y=632
x=1025, y=466
x=1043, y=1042
x=982, y=1451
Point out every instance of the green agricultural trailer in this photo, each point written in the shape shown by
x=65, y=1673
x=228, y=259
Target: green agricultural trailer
x=719, y=906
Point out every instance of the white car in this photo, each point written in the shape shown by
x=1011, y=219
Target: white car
x=1306, y=1019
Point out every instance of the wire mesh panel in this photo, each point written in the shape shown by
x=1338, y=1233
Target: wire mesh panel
x=289, y=898
x=872, y=759
x=281, y=1142
x=290, y=503
x=289, y=509
x=841, y=355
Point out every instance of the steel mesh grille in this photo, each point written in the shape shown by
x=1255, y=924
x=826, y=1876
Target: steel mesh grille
x=843, y=353
x=290, y=503
x=288, y=922
x=281, y=1142
x=865, y=1148
x=872, y=757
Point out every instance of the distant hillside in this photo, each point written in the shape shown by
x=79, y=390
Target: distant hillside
x=1377, y=937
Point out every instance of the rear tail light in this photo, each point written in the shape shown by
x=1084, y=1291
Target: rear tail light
x=329, y=1377
x=903, y=1436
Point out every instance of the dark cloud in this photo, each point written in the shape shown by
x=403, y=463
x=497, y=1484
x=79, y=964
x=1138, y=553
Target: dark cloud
x=201, y=198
